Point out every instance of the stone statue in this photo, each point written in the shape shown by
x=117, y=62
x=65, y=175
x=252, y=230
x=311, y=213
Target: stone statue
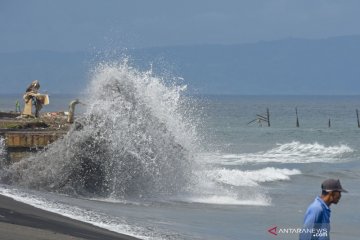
x=33, y=98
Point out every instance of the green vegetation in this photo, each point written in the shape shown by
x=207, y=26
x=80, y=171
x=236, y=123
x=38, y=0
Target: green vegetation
x=22, y=125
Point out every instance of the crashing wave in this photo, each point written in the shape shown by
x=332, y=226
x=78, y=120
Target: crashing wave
x=133, y=140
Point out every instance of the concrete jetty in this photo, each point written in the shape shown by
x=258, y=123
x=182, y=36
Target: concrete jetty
x=24, y=136
x=20, y=144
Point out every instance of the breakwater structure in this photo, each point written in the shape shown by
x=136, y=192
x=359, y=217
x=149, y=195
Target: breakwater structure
x=23, y=136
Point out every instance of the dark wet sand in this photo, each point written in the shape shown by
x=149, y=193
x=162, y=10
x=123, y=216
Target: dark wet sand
x=19, y=221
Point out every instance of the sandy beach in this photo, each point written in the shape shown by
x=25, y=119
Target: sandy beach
x=19, y=221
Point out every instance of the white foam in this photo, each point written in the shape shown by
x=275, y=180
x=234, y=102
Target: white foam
x=294, y=152
x=229, y=200
x=209, y=190
x=251, y=178
x=95, y=218
x=117, y=200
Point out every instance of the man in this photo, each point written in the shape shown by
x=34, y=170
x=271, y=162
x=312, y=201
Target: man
x=317, y=216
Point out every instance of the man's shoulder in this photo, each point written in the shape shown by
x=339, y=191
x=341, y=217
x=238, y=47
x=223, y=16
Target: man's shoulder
x=316, y=205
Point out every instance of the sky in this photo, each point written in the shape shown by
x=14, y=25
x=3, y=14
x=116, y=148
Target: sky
x=78, y=25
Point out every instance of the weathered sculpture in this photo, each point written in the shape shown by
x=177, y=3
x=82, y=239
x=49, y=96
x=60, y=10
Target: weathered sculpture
x=32, y=97
x=72, y=104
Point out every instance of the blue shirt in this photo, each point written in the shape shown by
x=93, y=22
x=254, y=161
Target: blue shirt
x=316, y=221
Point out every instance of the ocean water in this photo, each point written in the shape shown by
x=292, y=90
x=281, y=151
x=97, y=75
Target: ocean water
x=152, y=162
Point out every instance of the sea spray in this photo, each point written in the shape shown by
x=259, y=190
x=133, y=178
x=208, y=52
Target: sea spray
x=133, y=140
x=252, y=178
x=2, y=151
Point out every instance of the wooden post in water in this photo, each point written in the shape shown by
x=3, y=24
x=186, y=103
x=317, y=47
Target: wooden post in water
x=297, y=118
x=268, y=116
x=357, y=115
x=329, y=123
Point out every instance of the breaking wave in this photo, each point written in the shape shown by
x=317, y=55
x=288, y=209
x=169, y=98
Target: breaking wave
x=134, y=139
x=211, y=189
x=251, y=178
x=294, y=152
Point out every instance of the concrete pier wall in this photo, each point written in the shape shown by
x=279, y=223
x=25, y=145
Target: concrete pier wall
x=31, y=139
x=20, y=144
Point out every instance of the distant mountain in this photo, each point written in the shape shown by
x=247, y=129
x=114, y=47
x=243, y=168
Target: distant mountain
x=291, y=66
x=57, y=71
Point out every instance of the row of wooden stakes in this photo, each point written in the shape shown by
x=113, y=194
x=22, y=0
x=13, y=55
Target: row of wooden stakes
x=266, y=119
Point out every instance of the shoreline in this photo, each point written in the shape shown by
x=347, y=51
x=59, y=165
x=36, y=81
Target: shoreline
x=21, y=221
